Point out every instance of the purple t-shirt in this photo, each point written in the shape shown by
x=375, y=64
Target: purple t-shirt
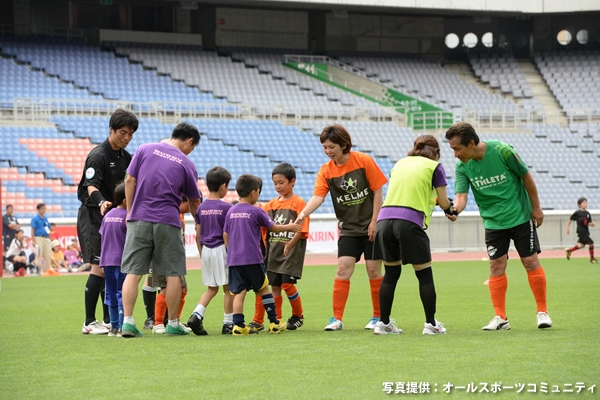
x=163, y=174
x=408, y=214
x=211, y=218
x=113, y=231
x=242, y=224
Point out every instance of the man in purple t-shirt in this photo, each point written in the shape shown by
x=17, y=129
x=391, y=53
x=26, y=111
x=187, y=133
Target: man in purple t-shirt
x=158, y=175
x=242, y=235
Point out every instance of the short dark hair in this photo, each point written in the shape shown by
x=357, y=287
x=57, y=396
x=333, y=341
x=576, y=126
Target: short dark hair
x=426, y=146
x=40, y=205
x=183, y=131
x=286, y=170
x=19, y=230
x=581, y=200
x=465, y=133
x=119, y=194
x=246, y=184
x=8, y=206
x=121, y=118
x=216, y=177
x=337, y=134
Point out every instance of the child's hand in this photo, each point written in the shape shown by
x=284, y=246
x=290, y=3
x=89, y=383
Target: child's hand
x=294, y=227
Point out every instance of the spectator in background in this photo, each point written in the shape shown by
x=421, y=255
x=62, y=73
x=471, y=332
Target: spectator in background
x=73, y=257
x=53, y=235
x=17, y=254
x=58, y=258
x=40, y=232
x=10, y=225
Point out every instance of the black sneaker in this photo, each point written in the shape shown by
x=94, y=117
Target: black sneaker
x=149, y=324
x=227, y=329
x=256, y=326
x=195, y=322
x=295, y=322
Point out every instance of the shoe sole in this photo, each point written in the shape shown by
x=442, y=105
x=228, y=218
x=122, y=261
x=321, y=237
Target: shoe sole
x=127, y=334
x=333, y=329
x=501, y=327
x=544, y=325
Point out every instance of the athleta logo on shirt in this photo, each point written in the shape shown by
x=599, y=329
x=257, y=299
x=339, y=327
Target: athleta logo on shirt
x=113, y=219
x=167, y=156
x=239, y=215
x=483, y=183
x=211, y=212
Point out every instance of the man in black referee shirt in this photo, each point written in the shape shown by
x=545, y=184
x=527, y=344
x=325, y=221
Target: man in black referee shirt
x=105, y=166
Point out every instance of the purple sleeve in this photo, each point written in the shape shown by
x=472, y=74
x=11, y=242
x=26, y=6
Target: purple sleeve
x=264, y=220
x=191, y=190
x=133, y=168
x=439, y=176
x=226, y=226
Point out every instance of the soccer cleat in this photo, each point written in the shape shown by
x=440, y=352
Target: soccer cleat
x=429, y=329
x=186, y=327
x=295, y=322
x=195, y=322
x=543, y=320
x=334, y=325
x=227, y=329
x=246, y=330
x=130, y=330
x=107, y=325
x=94, y=329
x=372, y=322
x=114, y=332
x=149, y=323
x=568, y=254
x=178, y=330
x=390, y=329
x=158, y=329
x=593, y=261
x=497, y=324
x=256, y=326
x=276, y=328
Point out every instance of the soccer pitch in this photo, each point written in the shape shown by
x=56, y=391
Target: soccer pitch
x=44, y=354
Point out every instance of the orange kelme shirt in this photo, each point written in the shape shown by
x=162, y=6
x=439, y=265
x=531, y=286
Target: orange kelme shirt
x=283, y=212
x=351, y=187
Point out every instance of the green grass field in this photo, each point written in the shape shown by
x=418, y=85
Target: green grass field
x=44, y=355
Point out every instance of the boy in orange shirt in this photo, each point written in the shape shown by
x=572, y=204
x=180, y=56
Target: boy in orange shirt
x=285, y=251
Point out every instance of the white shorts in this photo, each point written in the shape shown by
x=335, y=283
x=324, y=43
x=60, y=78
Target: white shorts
x=215, y=271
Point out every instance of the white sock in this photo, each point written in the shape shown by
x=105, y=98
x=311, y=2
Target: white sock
x=227, y=319
x=128, y=320
x=200, y=309
x=174, y=323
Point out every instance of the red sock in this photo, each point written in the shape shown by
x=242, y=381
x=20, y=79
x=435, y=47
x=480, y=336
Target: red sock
x=574, y=248
x=160, y=309
x=278, y=306
x=294, y=298
x=498, y=286
x=259, y=310
x=341, y=289
x=375, y=285
x=537, y=283
x=591, y=249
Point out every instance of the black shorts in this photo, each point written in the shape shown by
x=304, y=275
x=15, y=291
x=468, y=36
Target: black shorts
x=247, y=277
x=584, y=238
x=89, y=220
x=524, y=237
x=277, y=279
x=355, y=246
x=401, y=240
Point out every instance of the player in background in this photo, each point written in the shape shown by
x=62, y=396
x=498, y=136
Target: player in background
x=355, y=183
x=415, y=183
x=210, y=220
x=113, y=231
x=584, y=220
x=242, y=236
x=509, y=205
x=286, y=250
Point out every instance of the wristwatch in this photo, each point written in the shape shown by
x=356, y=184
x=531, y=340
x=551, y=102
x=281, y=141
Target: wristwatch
x=100, y=204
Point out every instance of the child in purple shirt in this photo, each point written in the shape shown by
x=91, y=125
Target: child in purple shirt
x=210, y=219
x=113, y=231
x=242, y=236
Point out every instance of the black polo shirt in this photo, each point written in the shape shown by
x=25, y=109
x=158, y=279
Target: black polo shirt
x=104, y=168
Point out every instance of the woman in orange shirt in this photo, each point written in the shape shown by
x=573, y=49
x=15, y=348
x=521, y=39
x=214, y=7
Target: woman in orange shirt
x=355, y=183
